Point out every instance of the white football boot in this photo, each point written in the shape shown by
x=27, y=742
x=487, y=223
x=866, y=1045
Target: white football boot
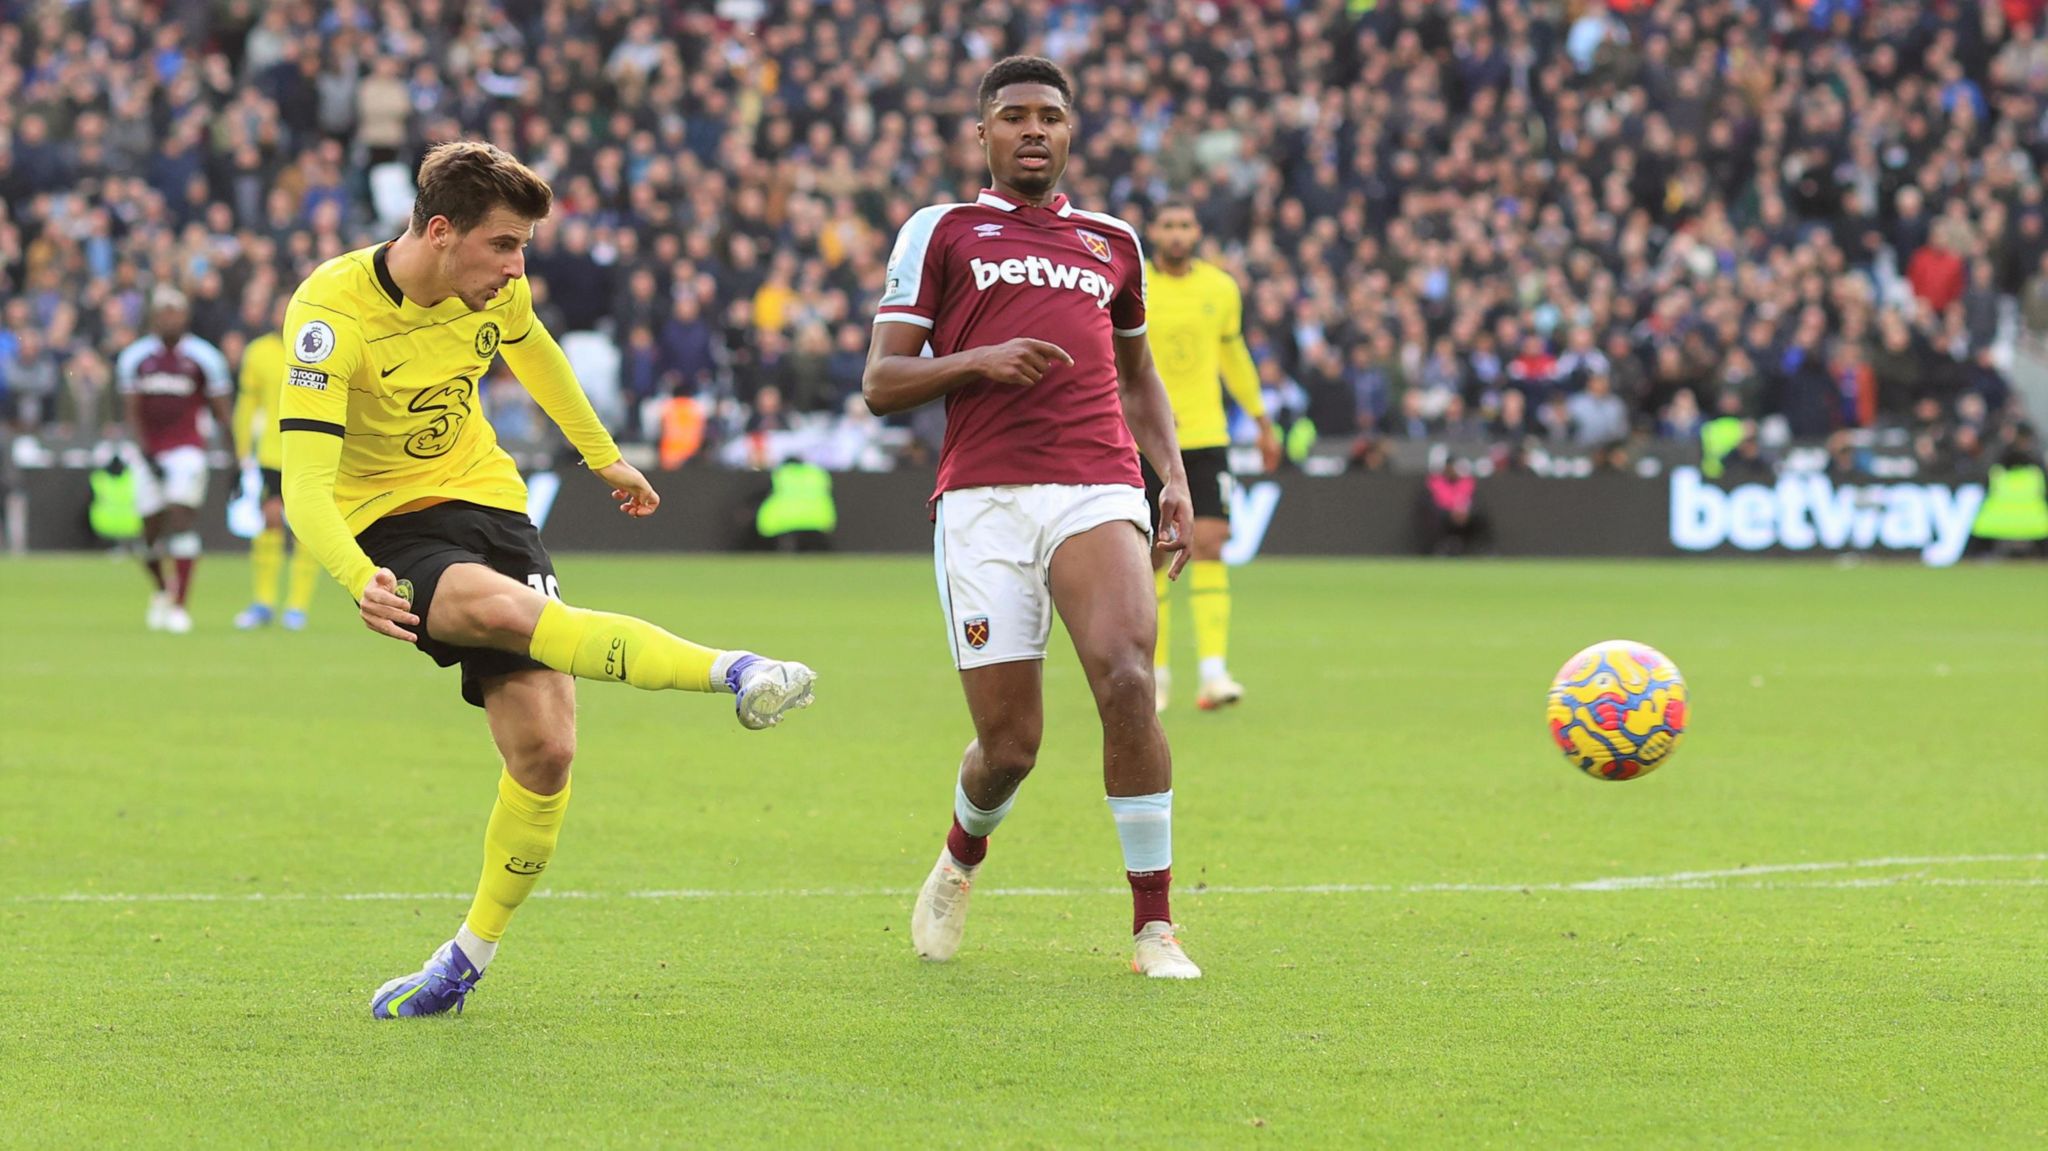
x=159, y=610
x=940, y=917
x=1158, y=954
x=178, y=621
x=1219, y=692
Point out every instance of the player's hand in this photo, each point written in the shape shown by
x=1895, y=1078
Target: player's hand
x=1176, y=524
x=1269, y=446
x=1021, y=362
x=386, y=612
x=636, y=496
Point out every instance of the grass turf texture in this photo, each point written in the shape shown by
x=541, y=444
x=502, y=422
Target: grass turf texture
x=1393, y=736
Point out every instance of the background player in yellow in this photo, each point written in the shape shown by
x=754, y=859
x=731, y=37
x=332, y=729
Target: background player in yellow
x=1197, y=339
x=257, y=439
x=394, y=478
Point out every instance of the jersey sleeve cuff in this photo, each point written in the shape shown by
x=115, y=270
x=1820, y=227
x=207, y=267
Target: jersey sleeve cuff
x=911, y=318
x=1137, y=331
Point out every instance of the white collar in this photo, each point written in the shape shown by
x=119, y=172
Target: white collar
x=991, y=199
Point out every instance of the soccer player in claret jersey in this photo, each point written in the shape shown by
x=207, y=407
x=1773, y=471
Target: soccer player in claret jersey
x=167, y=378
x=1034, y=313
x=1195, y=318
x=393, y=477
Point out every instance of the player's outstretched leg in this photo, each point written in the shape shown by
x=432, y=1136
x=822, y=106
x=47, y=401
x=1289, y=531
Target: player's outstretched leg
x=473, y=606
x=1009, y=721
x=603, y=645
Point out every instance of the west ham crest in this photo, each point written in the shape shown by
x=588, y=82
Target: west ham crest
x=1098, y=246
x=976, y=631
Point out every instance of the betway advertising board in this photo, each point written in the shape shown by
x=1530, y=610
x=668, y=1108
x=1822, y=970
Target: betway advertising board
x=1803, y=512
x=1353, y=514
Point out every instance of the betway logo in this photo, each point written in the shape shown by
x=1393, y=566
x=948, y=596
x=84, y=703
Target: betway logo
x=1251, y=513
x=1040, y=272
x=1806, y=510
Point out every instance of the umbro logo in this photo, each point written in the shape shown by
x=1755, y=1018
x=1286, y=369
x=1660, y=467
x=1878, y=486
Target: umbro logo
x=988, y=231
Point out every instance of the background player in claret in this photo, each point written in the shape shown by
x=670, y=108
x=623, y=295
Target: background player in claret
x=168, y=379
x=1035, y=316
x=1196, y=330
x=395, y=479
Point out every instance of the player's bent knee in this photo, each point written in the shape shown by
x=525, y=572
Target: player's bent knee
x=1126, y=684
x=541, y=762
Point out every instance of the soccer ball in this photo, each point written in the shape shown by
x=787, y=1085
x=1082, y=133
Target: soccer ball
x=1617, y=709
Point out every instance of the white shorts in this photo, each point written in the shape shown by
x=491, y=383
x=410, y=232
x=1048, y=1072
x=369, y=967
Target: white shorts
x=179, y=477
x=992, y=548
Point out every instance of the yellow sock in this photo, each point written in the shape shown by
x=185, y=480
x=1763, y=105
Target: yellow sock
x=601, y=645
x=301, y=579
x=1212, y=608
x=266, y=556
x=518, y=843
x=1162, y=650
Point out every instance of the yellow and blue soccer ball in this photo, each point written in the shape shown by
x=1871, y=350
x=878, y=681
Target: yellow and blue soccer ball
x=1618, y=709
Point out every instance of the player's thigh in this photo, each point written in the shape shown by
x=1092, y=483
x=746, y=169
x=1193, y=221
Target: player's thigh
x=1007, y=703
x=532, y=715
x=1102, y=585
x=475, y=606
x=149, y=486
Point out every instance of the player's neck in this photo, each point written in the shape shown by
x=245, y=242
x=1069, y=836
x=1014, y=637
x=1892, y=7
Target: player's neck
x=1176, y=267
x=1042, y=200
x=411, y=264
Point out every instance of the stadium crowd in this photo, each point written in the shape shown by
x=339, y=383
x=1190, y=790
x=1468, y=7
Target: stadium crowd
x=1567, y=220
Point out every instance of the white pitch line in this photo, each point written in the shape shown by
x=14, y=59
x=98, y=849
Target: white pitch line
x=1675, y=881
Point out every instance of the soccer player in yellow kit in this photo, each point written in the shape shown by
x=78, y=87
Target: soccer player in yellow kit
x=256, y=405
x=1197, y=338
x=395, y=480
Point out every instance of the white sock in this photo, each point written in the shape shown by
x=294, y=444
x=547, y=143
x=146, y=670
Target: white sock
x=1212, y=668
x=479, y=950
x=1144, y=825
x=973, y=820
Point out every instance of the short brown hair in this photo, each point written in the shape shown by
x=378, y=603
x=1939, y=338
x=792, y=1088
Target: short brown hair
x=465, y=179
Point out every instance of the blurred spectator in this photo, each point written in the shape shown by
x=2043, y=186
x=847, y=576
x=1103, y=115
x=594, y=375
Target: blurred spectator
x=1597, y=415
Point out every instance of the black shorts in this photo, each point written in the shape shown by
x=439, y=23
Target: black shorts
x=273, y=484
x=1209, y=483
x=419, y=546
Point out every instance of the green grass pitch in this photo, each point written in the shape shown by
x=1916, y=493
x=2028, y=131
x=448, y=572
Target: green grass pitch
x=1823, y=923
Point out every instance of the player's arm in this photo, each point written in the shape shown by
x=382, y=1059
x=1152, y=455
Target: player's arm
x=125, y=365
x=220, y=388
x=323, y=351
x=544, y=371
x=1150, y=416
x=1241, y=376
x=898, y=377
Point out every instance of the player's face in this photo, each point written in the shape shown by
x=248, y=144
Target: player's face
x=169, y=324
x=1026, y=131
x=478, y=264
x=1175, y=234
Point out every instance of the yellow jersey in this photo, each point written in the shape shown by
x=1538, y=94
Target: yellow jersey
x=1197, y=335
x=256, y=402
x=380, y=411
